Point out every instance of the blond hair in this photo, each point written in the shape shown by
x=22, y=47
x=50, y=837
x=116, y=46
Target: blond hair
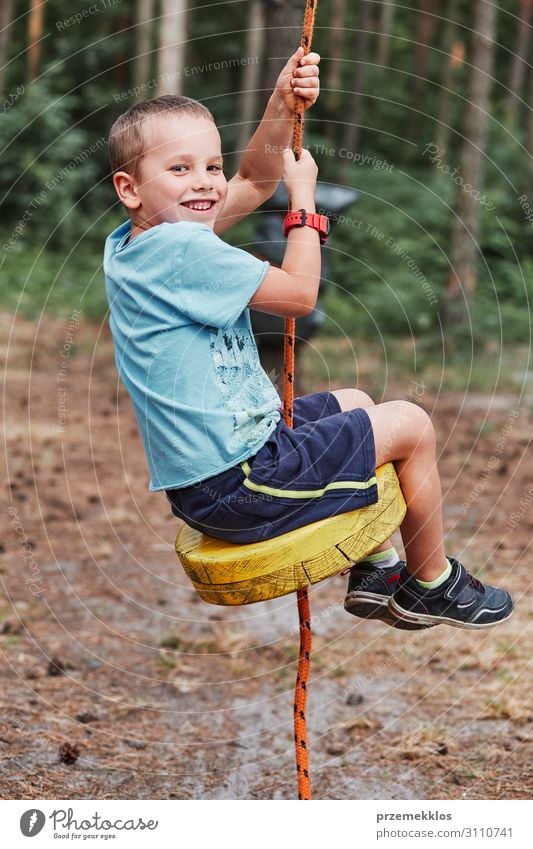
x=126, y=137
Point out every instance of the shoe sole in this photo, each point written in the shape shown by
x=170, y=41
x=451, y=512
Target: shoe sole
x=366, y=605
x=407, y=616
x=373, y=606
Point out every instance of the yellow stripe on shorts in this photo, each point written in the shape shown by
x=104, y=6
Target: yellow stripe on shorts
x=302, y=493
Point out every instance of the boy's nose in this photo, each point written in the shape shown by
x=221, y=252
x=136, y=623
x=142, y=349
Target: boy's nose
x=203, y=180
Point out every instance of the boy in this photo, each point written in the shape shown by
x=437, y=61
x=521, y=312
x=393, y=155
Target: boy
x=209, y=417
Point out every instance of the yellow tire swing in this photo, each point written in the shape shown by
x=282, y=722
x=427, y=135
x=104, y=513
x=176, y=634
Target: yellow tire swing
x=233, y=574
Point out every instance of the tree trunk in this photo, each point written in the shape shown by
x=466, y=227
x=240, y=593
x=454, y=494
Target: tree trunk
x=519, y=63
x=353, y=126
x=426, y=23
x=172, y=43
x=144, y=13
x=461, y=282
x=251, y=73
x=6, y=19
x=454, y=49
x=529, y=141
x=334, y=64
x=385, y=29
x=283, y=35
x=35, y=31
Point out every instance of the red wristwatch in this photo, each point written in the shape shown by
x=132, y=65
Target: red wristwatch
x=301, y=218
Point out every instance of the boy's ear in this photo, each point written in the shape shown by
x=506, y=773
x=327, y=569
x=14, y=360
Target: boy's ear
x=126, y=189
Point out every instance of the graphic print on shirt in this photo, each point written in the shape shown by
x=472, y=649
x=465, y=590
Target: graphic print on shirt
x=245, y=389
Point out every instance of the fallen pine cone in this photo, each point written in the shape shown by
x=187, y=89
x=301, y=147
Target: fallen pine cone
x=68, y=753
x=56, y=666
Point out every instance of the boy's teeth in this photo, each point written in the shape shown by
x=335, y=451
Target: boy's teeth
x=206, y=204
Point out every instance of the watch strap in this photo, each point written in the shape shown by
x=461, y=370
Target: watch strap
x=302, y=218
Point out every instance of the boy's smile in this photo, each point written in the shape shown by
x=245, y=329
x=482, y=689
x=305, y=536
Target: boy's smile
x=181, y=176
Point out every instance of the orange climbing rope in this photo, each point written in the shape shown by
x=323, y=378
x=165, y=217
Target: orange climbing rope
x=304, y=613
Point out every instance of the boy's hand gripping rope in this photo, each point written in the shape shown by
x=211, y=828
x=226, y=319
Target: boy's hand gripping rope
x=302, y=678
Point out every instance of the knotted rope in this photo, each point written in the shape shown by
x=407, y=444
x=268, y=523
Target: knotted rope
x=304, y=613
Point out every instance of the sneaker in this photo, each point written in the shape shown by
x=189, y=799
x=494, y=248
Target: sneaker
x=369, y=592
x=461, y=601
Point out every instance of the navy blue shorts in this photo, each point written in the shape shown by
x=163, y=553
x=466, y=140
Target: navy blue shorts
x=322, y=467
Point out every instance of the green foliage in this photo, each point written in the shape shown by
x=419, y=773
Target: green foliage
x=389, y=259
x=46, y=165
x=54, y=204
x=389, y=264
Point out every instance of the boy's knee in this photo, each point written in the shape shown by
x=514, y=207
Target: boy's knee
x=351, y=399
x=412, y=425
x=419, y=422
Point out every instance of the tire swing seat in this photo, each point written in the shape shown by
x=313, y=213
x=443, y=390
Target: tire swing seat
x=233, y=574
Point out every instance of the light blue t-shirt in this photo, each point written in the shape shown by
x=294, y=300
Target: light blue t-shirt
x=184, y=349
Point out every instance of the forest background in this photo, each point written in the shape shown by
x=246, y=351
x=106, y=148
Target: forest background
x=426, y=111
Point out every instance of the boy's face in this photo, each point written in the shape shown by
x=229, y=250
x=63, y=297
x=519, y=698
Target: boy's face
x=181, y=176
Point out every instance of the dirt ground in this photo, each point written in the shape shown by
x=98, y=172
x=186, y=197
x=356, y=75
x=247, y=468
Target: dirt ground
x=118, y=683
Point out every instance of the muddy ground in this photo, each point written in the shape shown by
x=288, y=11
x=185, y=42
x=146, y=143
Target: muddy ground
x=117, y=682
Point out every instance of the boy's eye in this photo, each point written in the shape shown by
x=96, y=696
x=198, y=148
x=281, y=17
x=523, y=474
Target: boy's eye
x=181, y=169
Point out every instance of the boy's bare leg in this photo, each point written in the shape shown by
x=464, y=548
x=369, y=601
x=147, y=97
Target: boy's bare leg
x=432, y=589
x=404, y=435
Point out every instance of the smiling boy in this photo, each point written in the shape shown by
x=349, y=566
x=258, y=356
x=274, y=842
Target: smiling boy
x=185, y=146
x=208, y=414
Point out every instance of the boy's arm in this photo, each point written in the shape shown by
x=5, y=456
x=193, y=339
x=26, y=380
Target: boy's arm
x=292, y=290
x=262, y=162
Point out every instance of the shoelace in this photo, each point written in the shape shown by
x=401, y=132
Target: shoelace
x=474, y=583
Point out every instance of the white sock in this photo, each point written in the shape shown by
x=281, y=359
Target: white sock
x=383, y=559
